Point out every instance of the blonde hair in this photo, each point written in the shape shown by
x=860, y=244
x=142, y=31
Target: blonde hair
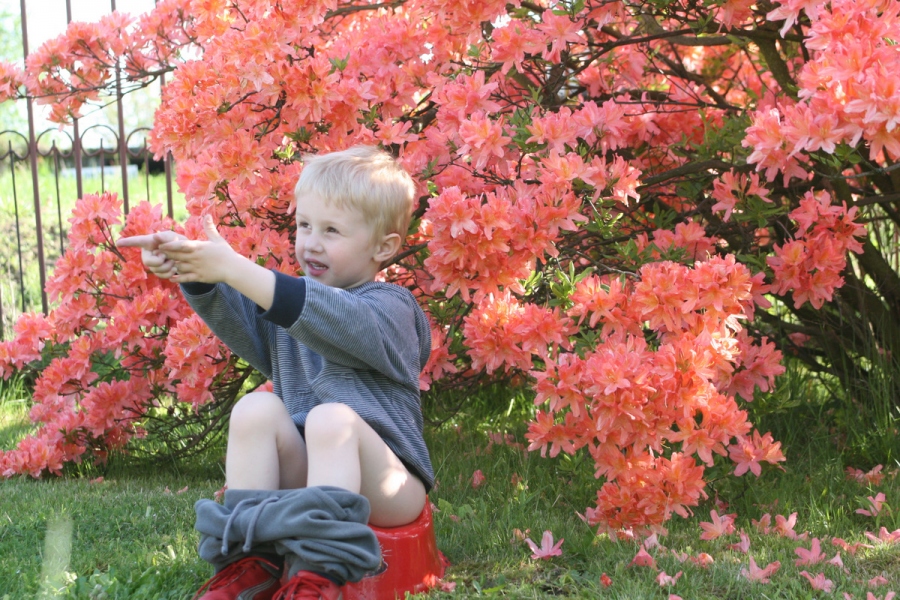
x=365, y=179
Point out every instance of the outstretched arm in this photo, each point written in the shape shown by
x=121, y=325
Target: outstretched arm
x=213, y=260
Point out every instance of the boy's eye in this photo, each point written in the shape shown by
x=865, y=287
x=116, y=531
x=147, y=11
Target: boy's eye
x=303, y=225
x=331, y=230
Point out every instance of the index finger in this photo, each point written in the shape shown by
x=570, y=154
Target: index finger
x=145, y=242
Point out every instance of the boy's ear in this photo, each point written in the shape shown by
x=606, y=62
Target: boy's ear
x=388, y=247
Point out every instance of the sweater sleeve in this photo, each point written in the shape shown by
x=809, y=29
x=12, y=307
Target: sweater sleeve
x=235, y=319
x=374, y=327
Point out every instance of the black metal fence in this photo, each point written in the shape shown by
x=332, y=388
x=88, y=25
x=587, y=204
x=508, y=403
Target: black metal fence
x=37, y=171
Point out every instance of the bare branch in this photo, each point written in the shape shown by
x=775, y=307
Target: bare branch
x=355, y=8
x=687, y=169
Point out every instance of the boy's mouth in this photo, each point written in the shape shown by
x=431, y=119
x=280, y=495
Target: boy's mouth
x=315, y=268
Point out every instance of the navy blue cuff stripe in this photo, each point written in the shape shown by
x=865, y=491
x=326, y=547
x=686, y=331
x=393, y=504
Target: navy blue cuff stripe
x=287, y=303
x=197, y=288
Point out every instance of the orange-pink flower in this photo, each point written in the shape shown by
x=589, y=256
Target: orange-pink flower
x=749, y=451
x=819, y=582
x=666, y=580
x=643, y=559
x=785, y=527
x=873, y=477
x=760, y=575
x=547, y=549
x=875, y=505
x=720, y=525
x=848, y=547
x=884, y=536
x=812, y=556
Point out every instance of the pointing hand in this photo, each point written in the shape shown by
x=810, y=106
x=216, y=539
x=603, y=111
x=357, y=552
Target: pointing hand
x=208, y=261
x=154, y=259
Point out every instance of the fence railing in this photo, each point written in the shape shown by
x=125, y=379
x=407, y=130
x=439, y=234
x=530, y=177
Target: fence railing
x=99, y=158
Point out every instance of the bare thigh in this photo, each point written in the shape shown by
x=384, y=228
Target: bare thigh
x=345, y=451
x=265, y=450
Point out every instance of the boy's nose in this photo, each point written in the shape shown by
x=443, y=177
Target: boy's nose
x=312, y=242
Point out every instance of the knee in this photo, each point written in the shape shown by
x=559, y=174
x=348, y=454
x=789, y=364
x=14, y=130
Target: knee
x=256, y=412
x=331, y=423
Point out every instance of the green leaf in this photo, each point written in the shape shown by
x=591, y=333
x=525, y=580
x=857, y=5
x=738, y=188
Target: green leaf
x=338, y=64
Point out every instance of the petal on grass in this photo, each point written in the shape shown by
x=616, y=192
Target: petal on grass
x=547, y=549
x=643, y=559
x=812, y=556
x=664, y=579
x=819, y=582
x=719, y=526
x=760, y=575
x=477, y=479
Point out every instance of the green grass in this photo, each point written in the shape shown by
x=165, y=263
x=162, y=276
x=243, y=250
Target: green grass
x=128, y=535
x=14, y=422
x=131, y=538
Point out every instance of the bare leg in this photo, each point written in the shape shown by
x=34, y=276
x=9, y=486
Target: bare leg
x=265, y=450
x=344, y=451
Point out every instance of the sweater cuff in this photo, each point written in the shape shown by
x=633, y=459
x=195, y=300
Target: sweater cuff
x=197, y=288
x=287, y=303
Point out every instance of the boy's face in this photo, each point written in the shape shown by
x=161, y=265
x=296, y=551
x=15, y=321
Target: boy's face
x=335, y=246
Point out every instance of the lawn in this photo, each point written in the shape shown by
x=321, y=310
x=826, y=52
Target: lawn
x=130, y=534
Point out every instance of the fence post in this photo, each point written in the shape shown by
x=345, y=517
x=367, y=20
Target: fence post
x=59, y=220
x=76, y=144
x=12, y=173
x=32, y=152
x=120, y=109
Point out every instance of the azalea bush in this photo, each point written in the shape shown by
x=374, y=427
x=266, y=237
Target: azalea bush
x=632, y=207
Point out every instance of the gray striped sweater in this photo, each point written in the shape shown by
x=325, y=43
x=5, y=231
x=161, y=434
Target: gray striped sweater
x=363, y=347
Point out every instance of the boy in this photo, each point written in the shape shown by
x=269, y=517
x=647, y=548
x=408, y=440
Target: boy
x=338, y=443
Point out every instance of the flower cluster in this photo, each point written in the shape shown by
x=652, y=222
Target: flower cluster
x=847, y=91
x=490, y=244
x=502, y=332
x=810, y=266
x=11, y=79
x=71, y=69
x=102, y=345
x=628, y=400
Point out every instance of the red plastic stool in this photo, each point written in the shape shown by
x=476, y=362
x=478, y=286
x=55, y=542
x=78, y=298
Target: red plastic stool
x=411, y=558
